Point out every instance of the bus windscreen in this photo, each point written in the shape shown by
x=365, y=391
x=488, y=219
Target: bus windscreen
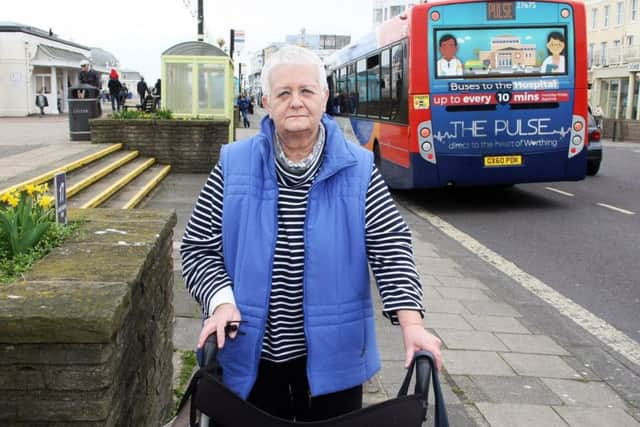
x=504, y=51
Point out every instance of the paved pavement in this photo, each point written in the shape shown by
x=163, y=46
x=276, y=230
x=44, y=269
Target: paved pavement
x=510, y=359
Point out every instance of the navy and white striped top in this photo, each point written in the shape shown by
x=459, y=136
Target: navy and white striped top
x=389, y=252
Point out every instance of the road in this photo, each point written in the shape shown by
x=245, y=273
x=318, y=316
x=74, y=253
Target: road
x=580, y=238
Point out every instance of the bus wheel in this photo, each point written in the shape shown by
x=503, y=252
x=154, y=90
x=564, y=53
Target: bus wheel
x=376, y=155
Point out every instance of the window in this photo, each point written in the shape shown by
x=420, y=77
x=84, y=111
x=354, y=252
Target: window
x=630, y=40
x=385, y=83
x=377, y=16
x=399, y=107
x=352, y=100
x=620, y=17
x=594, y=18
x=361, y=87
x=634, y=9
x=373, y=86
x=395, y=11
x=603, y=53
x=605, y=22
x=43, y=81
x=590, y=54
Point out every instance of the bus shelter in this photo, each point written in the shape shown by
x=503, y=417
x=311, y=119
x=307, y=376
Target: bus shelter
x=197, y=81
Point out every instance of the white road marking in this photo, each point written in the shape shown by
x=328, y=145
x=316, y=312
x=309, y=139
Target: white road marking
x=555, y=190
x=602, y=330
x=613, y=208
x=636, y=151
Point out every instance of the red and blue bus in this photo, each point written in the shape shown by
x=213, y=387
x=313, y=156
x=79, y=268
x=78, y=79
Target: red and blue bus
x=469, y=93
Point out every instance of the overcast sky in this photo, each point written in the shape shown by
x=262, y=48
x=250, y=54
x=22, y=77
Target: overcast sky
x=138, y=31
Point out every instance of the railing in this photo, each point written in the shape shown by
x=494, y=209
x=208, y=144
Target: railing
x=616, y=56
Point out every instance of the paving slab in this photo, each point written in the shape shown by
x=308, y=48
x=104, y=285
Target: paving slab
x=185, y=333
x=442, y=305
x=446, y=320
x=470, y=340
x=580, y=393
x=524, y=390
x=536, y=365
x=490, y=308
x=495, y=323
x=518, y=415
x=464, y=362
x=461, y=282
x=464, y=294
x=596, y=417
x=439, y=266
x=539, y=344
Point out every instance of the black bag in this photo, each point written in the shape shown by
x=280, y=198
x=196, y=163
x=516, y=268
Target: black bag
x=207, y=395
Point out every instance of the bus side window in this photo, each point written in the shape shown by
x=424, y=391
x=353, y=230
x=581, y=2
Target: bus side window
x=342, y=92
x=399, y=97
x=360, y=95
x=352, y=99
x=373, y=86
x=385, y=84
x=396, y=81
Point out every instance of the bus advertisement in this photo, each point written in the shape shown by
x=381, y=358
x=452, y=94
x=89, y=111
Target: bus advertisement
x=469, y=93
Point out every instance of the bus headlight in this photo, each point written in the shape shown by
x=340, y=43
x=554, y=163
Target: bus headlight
x=426, y=146
x=577, y=140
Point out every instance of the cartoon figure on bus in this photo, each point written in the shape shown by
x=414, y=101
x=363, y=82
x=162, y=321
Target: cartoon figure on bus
x=448, y=64
x=554, y=63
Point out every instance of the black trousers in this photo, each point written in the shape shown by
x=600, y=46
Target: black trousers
x=282, y=390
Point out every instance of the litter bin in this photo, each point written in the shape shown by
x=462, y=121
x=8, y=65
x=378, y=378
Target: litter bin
x=84, y=104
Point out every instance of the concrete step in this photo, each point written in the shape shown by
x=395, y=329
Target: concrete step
x=94, y=195
x=138, y=188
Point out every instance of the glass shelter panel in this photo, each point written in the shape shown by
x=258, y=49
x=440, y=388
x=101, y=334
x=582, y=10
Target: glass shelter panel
x=179, y=87
x=211, y=88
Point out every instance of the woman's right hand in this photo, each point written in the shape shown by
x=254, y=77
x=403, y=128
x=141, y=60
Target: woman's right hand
x=223, y=314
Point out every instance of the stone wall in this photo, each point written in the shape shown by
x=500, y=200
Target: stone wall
x=621, y=130
x=86, y=336
x=189, y=146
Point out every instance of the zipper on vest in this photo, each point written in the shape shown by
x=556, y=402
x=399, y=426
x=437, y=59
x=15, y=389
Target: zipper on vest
x=304, y=285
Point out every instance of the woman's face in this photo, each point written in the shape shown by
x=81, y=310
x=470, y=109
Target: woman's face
x=555, y=46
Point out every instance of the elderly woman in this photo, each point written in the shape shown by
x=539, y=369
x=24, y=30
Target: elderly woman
x=282, y=236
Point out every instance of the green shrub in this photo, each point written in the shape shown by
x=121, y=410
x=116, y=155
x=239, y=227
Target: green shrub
x=137, y=114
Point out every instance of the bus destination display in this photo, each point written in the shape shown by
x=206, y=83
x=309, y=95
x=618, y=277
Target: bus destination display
x=498, y=10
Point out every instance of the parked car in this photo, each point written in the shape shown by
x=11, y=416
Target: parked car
x=594, y=149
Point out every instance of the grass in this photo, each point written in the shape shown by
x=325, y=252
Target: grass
x=12, y=268
x=187, y=365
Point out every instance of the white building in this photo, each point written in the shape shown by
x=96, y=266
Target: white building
x=31, y=60
x=384, y=10
x=613, y=28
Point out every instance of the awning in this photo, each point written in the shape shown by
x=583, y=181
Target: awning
x=56, y=57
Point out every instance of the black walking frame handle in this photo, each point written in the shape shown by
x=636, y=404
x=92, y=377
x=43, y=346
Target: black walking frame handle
x=208, y=353
x=425, y=366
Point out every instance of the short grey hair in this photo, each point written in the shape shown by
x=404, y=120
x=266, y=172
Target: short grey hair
x=292, y=55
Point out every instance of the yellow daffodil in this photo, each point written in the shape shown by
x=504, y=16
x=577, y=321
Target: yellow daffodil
x=31, y=188
x=11, y=199
x=43, y=188
x=45, y=202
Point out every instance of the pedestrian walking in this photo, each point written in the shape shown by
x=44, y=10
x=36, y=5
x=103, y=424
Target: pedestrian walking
x=114, y=90
x=142, y=90
x=243, y=106
x=598, y=115
x=282, y=237
x=41, y=101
